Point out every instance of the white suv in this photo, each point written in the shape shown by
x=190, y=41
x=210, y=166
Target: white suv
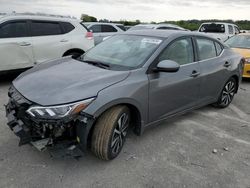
x=219, y=30
x=26, y=40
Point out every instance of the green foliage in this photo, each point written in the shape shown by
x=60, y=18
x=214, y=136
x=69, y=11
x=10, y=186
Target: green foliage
x=187, y=24
x=195, y=24
x=87, y=18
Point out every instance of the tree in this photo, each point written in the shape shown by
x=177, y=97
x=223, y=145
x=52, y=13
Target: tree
x=87, y=18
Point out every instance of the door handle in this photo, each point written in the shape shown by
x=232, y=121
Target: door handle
x=24, y=44
x=227, y=64
x=195, y=74
x=64, y=40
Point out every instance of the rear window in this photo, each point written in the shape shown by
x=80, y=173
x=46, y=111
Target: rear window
x=96, y=28
x=108, y=28
x=67, y=27
x=168, y=28
x=14, y=30
x=213, y=28
x=141, y=27
x=43, y=28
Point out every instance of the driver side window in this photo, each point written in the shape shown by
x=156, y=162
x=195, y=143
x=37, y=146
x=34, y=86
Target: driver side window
x=180, y=51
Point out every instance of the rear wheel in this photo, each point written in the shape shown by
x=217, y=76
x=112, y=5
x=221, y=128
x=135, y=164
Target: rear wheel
x=227, y=94
x=110, y=133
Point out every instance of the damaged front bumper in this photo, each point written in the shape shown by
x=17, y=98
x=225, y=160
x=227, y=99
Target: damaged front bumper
x=42, y=133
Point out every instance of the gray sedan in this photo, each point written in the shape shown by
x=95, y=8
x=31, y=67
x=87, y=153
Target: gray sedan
x=135, y=79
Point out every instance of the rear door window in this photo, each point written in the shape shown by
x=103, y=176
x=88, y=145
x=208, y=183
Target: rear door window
x=44, y=28
x=108, y=29
x=206, y=49
x=14, y=30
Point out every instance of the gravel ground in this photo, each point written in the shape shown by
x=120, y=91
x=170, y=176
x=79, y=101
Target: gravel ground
x=177, y=153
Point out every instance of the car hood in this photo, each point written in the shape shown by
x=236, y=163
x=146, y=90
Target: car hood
x=244, y=52
x=64, y=81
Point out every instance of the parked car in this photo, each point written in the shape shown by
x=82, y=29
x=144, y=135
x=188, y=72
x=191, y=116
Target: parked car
x=135, y=79
x=26, y=40
x=157, y=26
x=241, y=44
x=103, y=30
x=219, y=30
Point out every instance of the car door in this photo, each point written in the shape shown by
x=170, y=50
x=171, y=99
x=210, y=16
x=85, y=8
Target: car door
x=170, y=93
x=15, y=46
x=48, y=40
x=214, y=68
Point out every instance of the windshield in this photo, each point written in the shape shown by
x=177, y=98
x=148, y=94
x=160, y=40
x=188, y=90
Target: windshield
x=213, y=28
x=239, y=41
x=123, y=52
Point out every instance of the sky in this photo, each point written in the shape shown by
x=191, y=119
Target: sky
x=144, y=10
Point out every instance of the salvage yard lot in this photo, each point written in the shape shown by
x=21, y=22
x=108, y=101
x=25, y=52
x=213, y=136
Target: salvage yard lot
x=177, y=153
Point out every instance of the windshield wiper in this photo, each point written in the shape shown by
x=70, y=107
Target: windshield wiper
x=97, y=63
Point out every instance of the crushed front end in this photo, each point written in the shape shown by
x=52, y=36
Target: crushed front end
x=71, y=130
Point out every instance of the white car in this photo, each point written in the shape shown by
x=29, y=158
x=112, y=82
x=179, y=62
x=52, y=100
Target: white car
x=26, y=40
x=102, y=31
x=219, y=30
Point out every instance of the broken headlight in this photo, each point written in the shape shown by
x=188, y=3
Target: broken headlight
x=60, y=111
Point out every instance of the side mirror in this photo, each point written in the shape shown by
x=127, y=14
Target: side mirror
x=167, y=66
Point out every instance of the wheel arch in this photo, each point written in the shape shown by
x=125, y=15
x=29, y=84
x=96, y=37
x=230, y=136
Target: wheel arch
x=236, y=77
x=136, y=116
x=78, y=50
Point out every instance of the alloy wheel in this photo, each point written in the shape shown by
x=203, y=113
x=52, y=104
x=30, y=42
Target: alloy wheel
x=119, y=133
x=228, y=93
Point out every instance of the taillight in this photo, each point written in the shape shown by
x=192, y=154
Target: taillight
x=89, y=35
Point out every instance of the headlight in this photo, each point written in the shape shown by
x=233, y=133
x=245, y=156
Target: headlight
x=60, y=111
x=247, y=60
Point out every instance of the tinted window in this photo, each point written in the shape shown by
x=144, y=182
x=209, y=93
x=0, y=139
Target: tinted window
x=206, y=49
x=108, y=28
x=230, y=29
x=67, y=27
x=121, y=27
x=218, y=48
x=213, y=28
x=41, y=28
x=14, y=30
x=168, y=28
x=96, y=28
x=181, y=51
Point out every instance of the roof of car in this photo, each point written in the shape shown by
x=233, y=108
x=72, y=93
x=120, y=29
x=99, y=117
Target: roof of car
x=39, y=17
x=218, y=23
x=164, y=33
x=98, y=23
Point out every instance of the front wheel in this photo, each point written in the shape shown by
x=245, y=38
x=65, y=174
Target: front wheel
x=227, y=94
x=110, y=132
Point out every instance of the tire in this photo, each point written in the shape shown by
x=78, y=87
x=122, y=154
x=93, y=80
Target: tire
x=110, y=132
x=227, y=94
x=74, y=54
